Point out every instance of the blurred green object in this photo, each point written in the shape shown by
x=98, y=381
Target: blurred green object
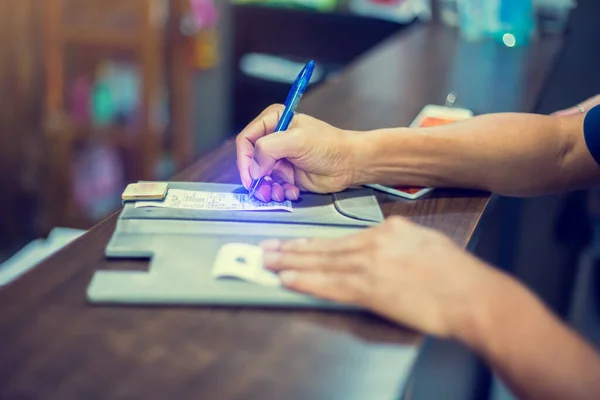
x=319, y=5
x=102, y=104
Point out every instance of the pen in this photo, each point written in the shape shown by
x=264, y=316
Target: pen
x=291, y=102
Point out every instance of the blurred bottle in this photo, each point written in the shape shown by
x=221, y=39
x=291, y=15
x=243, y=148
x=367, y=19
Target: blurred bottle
x=511, y=22
x=515, y=24
x=475, y=18
x=448, y=12
x=102, y=104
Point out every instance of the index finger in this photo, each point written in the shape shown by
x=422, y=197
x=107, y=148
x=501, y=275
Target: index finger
x=264, y=124
x=339, y=286
x=320, y=246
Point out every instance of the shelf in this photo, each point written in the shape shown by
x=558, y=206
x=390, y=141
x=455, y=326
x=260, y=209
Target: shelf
x=96, y=37
x=81, y=35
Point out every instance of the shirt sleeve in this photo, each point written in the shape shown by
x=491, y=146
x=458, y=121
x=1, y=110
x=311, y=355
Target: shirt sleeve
x=591, y=132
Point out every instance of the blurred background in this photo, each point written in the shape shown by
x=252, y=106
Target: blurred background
x=96, y=94
x=100, y=93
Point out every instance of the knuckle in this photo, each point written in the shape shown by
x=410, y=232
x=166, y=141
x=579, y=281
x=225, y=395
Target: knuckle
x=296, y=134
x=366, y=241
x=289, y=260
x=260, y=145
x=396, y=221
x=363, y=261
x=356, y=290
x=301, y=118
x=275, y=108
x=380, y=241
x=295, y=245
x=433, y=239
x=385, y=229
x=239, y=138
x=298, y=139
x=360, y=294
x=439, y=237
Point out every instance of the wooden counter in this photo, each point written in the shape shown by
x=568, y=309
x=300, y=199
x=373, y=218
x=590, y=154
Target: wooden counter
x=55, y=345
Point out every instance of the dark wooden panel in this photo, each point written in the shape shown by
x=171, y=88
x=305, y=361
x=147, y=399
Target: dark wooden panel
x=21, y=142
x=55, y=345
x=332, y=39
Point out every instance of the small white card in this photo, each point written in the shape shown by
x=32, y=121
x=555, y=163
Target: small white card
x=214, y=201
x=243, y=261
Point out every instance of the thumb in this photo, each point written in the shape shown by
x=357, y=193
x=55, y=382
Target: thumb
x=274, y=147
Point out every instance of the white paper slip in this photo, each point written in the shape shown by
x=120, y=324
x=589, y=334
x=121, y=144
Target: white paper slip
x=243, y=261
x=214, y=201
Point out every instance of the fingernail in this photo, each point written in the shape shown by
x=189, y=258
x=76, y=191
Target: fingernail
x=288, y=277
x=291, y=195
x=271, y=244
x=259, y=196
x=275, y=196
x=254, y=170
x=246, y=185
x=270, y=258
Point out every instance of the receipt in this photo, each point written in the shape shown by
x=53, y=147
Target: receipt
x=243, y=261
x=214, y=201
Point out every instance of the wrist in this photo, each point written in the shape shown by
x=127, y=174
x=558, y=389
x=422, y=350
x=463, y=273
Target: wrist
x=400, y=156
x=376, y=155
x=495, y=301
x=360, y=150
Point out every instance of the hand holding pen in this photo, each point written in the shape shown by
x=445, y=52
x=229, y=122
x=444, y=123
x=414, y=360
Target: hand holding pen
x=310, y=155
x=291, y=103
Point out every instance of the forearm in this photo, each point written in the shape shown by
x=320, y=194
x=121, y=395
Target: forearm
x=510, y=154
x=536, y=355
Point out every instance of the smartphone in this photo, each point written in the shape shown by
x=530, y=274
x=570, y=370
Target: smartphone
x=431, y=115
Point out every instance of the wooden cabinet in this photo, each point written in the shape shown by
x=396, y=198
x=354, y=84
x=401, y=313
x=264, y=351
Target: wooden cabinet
x=80, y=39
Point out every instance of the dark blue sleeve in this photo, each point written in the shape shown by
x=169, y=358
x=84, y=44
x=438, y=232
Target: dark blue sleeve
x=591, y=132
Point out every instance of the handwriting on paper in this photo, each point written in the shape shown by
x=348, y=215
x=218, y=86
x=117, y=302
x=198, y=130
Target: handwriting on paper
x=214, y=201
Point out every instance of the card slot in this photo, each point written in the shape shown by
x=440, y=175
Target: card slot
x=354, y=207
x=355, y=204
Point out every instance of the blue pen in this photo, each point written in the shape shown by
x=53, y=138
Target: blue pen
x=293, y=98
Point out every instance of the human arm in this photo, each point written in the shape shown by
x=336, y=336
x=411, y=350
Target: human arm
x=584, y=106
x=531, y=349
x=510, y=153
x=419, y=278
